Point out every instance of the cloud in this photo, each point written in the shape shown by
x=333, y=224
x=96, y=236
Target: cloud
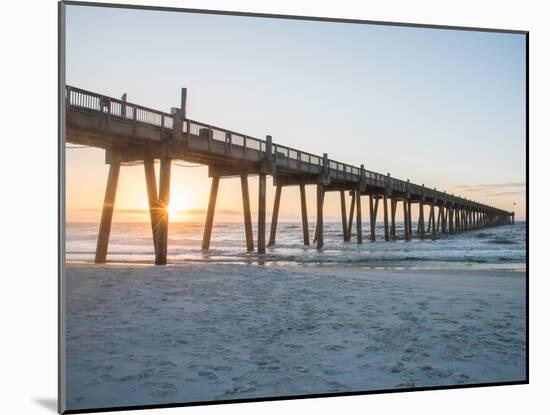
x=493, y=189
x=203, y=212
x=508, y=193
x=489, y=186
x=193, y=211
x=118, y=210
x=230, y=212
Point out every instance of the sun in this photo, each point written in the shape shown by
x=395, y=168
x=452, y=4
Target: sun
x=172, y=212
x=177, y=207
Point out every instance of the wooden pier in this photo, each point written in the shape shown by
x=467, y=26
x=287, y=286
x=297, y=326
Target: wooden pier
x=133, y=133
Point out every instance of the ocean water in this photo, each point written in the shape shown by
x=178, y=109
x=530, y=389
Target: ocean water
x=502, y=247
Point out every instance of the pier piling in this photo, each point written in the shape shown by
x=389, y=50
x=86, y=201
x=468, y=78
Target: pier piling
x=351, y=213
x=305, y=225
x=406, y=227
x=261, y=212
x=393, y=206
x=319, y=227
x=409, y=215
x=246, y=213
x=359, y=218
x=386, y=227
x=421, y=217
x=275, y=216
x=210, y=213
x=372, y=214
x=152, y=197
x=164, y=202
x=343, y=214
x=432, y=217
x=107, y=214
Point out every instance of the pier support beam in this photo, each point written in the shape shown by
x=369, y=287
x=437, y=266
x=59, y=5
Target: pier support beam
x=107, y=214
x=393, y=205
x=344, y=213
x=351, y=213
x=319, y=227
x=409, y=219
x=164, y=201
x=246, y=214
x=421, y=229
x=275, y=216
x=261, y=212
x=432, y=217
x=372, y=214
x=152, y=197
x=406, y=227
x=359, y=218
x=386, y=227
x=210, y=213
x=305, y=225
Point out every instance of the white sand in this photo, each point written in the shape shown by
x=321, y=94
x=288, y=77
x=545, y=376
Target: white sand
x=154, y=335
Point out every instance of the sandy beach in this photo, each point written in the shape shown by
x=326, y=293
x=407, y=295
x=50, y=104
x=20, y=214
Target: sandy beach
x=154, y=335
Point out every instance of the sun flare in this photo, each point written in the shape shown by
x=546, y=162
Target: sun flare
x=172, y=212
x=178, y=207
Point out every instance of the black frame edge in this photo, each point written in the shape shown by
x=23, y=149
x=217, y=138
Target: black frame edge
x=291, y=17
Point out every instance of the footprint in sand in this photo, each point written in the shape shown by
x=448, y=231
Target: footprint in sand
x=240, y=389
x=106, y=378
x=435, y=371
x=461, y=378
x=405, y=385
x=334, y=347
x=396, y=368
x=209, y=374
x=335, y=386
x=161, y=390
x=331, y=372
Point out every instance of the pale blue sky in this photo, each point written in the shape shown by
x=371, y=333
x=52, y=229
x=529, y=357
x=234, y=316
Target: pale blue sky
x=441, y=107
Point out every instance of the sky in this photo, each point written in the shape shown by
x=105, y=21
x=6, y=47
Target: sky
x=441, y=107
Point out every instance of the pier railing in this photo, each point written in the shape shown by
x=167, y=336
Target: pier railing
x=88, y=101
